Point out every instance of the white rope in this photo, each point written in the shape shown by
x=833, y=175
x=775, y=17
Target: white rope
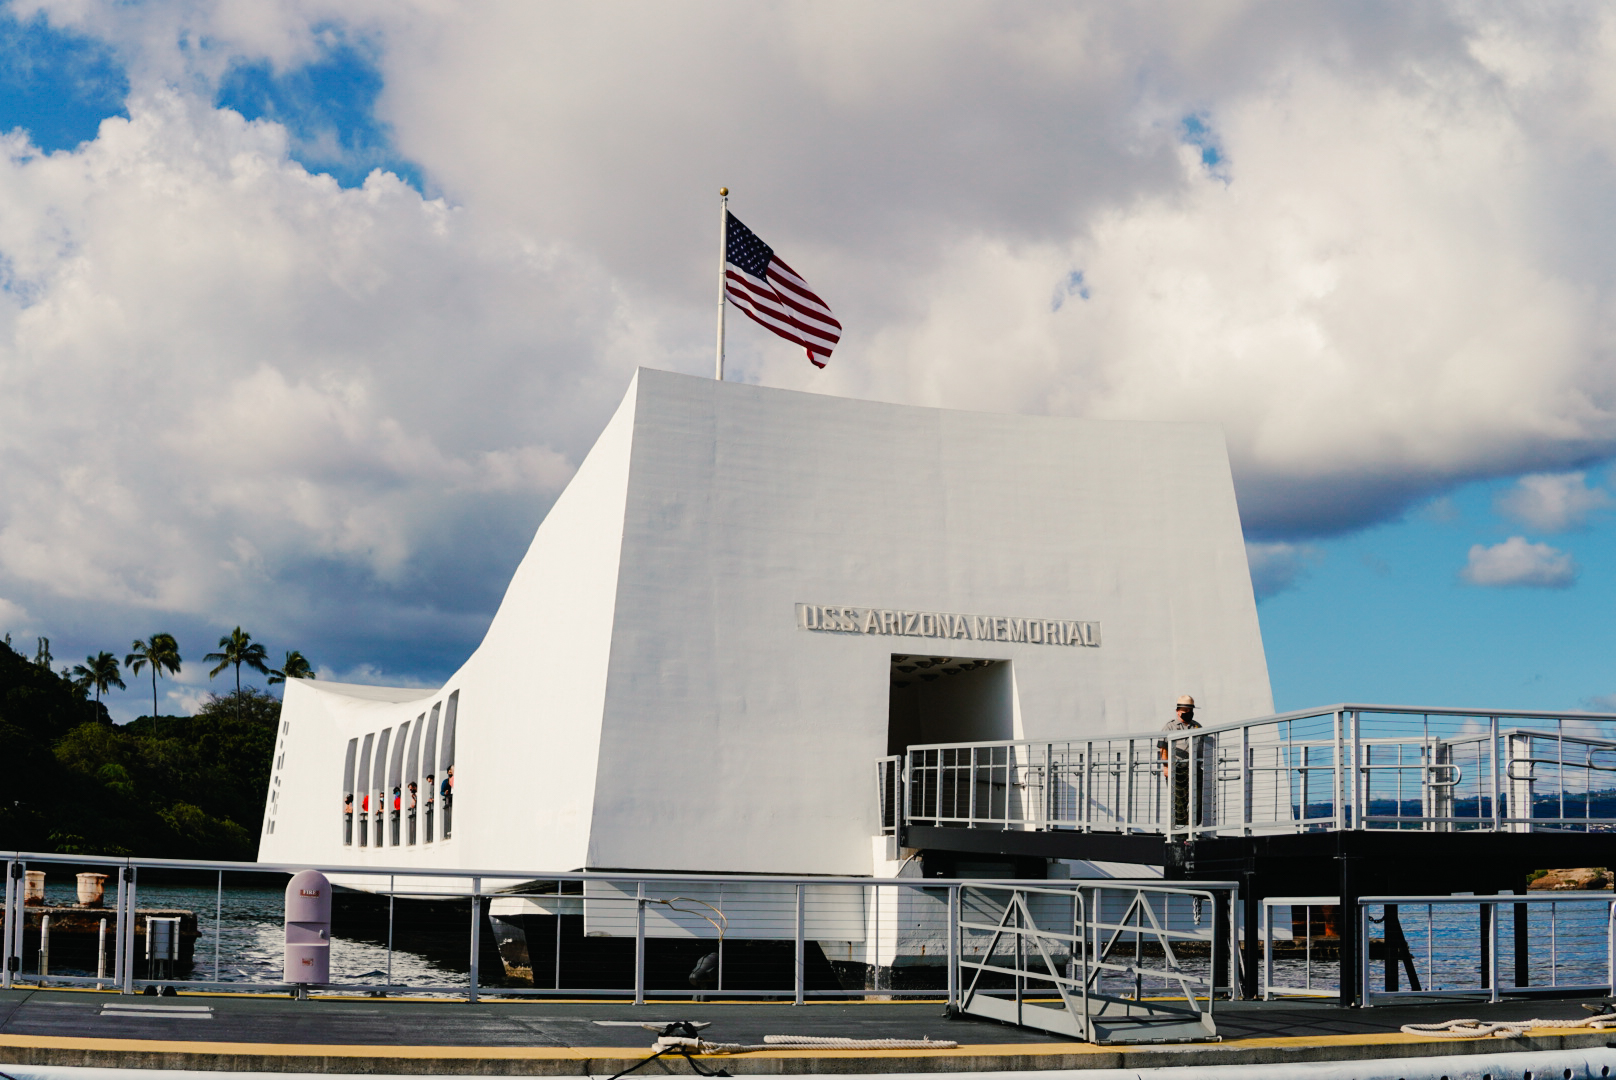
x=1474, y=1029
x=801, y=1042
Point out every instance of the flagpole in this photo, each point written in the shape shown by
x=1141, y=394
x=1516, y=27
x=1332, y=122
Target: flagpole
x=723, y=262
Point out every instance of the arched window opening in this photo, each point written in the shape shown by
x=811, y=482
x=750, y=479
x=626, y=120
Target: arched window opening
x=446, y=785
x=347, y=792
x=378, y=786
x=412, y=779
x=363, y=779
x=395, y=788
x=429, y=756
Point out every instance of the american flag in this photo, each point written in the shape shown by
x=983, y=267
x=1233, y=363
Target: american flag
x=771, y=293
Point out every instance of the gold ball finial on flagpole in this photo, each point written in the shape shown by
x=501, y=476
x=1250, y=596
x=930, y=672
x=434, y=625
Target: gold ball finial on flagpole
x=723, y=191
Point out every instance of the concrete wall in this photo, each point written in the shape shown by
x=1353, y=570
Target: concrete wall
x=530, y=706
x=648, y=696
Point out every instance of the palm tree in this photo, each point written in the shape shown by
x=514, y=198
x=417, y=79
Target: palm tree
x=99, y=671
x=295, y=666
x=237, y=648
x=161, y=653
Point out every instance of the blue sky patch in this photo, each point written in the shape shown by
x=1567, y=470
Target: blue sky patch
x=1071, y=285
x=1196, y=130
x=57, y=85
x=1385, y=615
x=328, y=107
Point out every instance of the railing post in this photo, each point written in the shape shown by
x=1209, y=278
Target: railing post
x=476, y=933
x=954, y=948
x=117, y=934
x=1492, y=749
x=1127, y=787
x=1610, y=942
x=10, y=927
x=639, y=945
x=126, y=918
x=1266, y=920
x=218, y=923
x=1363, y=954
x=1360, y=775
x=1245, y=779
x=1084, y=810
x=1049, y=787
x=1081, y=905
x=1340, y=759
x=1492, y=951
x=1237, y=955
x=392, y=888
x=801, y=957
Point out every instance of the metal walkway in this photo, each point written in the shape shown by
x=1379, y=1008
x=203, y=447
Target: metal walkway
x=1344, y=801
x=1330, y=769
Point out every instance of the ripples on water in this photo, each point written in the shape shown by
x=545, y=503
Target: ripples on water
x=1567, y=942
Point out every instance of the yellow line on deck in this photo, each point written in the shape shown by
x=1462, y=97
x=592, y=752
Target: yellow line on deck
x=548, y=1053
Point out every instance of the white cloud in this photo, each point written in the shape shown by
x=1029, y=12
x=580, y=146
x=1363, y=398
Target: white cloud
x=1385, y=286
x=224, y=381
x=1552, y=502
x=1516, y=562
x=231, y=391
x=1279, y=566
x=184, y=701
x=14, y=620
x=370, y=675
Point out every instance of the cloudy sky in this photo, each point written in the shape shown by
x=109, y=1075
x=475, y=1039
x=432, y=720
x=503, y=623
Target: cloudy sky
x=309, y=309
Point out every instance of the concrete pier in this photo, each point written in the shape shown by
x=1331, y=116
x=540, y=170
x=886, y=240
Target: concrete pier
x=254, y=1033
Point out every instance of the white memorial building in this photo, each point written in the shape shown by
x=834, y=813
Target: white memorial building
x=747, y=596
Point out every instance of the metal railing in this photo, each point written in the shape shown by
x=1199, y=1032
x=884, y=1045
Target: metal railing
x=1444, y=945
x=889, y=792
x=636, y=936
x=1106, y=961
x=606, y=934
x=1457, y=921
x=1342, y=767
x=1315, y=941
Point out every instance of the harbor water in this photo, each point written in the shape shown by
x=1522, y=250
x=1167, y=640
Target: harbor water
x=240, y=940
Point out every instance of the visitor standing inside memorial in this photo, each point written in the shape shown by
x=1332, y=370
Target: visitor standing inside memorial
x=446, y=793
x=431, y=802
x=1175, y=755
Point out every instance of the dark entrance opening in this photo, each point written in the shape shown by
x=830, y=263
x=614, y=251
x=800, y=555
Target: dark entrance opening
x=938, y=699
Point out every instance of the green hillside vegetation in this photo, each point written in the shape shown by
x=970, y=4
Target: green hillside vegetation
x=186, y=787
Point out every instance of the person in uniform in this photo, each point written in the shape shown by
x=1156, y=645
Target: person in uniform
x=1175, y=755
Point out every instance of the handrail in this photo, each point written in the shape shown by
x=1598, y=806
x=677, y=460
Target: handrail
x=1346, y=766
x=453, y=872
x=793, y=900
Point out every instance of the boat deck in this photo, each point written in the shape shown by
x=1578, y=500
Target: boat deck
x=260, y=1033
